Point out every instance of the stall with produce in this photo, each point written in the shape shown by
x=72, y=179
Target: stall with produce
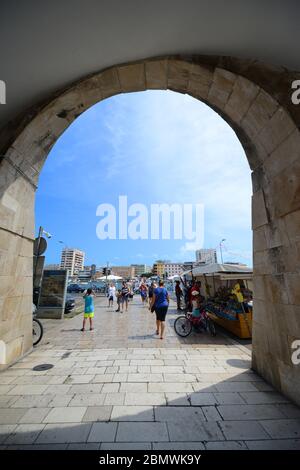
x=227, y=289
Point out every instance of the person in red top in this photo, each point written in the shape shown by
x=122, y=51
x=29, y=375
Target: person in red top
x=194, y=292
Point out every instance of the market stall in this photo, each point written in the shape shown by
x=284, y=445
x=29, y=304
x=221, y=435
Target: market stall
x=227, y=289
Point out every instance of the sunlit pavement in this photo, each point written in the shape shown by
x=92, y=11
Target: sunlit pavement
x=121, y=387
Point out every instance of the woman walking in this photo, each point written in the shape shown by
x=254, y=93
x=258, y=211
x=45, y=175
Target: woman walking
x=150, y=292
x=88, y=308
x=160, y=302
x=125, y=295
x=143, y=292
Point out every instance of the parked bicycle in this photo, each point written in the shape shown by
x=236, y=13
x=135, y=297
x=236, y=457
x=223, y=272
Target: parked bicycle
x=37, y=328
x=185, y=324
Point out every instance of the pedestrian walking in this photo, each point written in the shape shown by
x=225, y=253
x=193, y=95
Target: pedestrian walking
x=150, y=292
x=178, y=293
x=143, y=292
x=119, y=299
x=88, y=308
x=125, y=295
x=160, y=304
x=111, y=295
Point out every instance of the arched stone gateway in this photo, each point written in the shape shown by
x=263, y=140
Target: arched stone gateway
x=255, y=100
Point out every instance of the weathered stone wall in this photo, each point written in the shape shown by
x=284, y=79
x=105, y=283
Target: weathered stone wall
x=255, y=101
x=16, y=245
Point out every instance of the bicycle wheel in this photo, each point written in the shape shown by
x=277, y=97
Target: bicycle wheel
x=37, y=331
x=183, y=326
x=211, y=327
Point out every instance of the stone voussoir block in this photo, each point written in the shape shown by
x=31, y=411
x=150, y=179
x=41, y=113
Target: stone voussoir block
x=200, y=80
x=109, y=82
x=132, y=77
x=277, y=129
x=178, y=75
x=284, y=155
x=156, y=74
x=259, y=211
x=259, y=113
x=243, y=94
x=221, y=87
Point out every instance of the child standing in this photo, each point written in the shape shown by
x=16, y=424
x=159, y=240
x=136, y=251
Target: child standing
x=88, y=308
x=111, y=295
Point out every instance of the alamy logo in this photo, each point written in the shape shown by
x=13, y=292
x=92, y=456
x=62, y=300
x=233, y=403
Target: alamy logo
x=296, y=354
x=2, y=92
x=296, y=93
x=158, y=222
x=2, y=352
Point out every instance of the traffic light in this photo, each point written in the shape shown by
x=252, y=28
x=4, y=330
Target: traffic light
x=104, y=271
x=108, y=271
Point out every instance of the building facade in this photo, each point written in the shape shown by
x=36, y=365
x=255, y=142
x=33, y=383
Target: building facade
x=173, y=269
x=158, y=268
x=52, y=266
x=206, y=256
x=72, y=259
x=188, y=265
x=140, y=269
x=126, y=272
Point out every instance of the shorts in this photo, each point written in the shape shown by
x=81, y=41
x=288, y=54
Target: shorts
x=88, y=314
x=143, y=295
x=111, y=297
x=161, y=313
x=124, y=298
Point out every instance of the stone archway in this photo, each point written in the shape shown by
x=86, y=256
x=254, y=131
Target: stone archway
x=266, y=126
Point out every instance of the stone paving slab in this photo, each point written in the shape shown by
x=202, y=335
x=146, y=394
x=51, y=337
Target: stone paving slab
x=25, y=434
x=145, y=398
x=132, y=413
x=195, y=430
x=179, y=415
x=139, y=432
x=103, y=432
x=276, y=444
x=243, y=430
x=64, y=433
x=248, y=412
x=70, y=414
x=178, y=446
x=11, y=415
x=98, y=413
x=119, y=387
x=226, y=445
x=126, y=446
x=5, y=431
x=283, y=428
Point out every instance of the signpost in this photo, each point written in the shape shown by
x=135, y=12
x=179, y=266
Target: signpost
x=53, y=294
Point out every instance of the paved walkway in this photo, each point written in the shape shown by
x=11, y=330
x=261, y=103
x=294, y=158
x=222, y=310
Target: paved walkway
x=120, y=387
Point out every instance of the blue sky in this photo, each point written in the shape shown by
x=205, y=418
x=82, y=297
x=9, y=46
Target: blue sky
x=154, y=147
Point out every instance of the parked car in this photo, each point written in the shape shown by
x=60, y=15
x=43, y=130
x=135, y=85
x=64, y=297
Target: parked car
x=70, y=304
x=76, y=288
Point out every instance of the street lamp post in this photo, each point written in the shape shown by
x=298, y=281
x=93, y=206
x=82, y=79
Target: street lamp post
x=37, y=256
x=223, y=240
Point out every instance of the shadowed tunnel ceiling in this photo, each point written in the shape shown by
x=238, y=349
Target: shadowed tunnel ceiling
x=46, y=46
